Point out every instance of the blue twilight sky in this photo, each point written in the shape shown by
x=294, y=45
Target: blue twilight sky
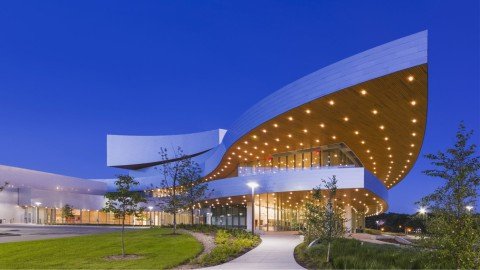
x=72, y=72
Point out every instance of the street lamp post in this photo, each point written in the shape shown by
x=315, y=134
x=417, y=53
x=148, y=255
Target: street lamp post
x=150, y=208
x=253, y=185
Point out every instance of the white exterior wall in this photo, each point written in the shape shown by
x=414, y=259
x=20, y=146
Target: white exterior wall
x=10, y=212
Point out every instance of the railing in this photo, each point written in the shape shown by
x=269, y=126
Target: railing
x=248, y=171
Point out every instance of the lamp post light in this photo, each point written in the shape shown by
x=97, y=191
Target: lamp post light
x=423, y=211
x=253, y=185
x=38, y=211
x=469, y=208
x=150, y=208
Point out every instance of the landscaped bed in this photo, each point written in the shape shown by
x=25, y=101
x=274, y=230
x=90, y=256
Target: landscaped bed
x=230, y=244
x=153, y=248
x=354, y=254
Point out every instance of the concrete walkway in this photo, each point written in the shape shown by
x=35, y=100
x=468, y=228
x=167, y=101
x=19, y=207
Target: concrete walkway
x=275, y=252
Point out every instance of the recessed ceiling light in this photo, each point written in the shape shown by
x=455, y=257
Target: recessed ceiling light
x=382, y=127
x=334, y=137
x=308, y=111
x=290, y=118
x=356, y=132
x=305, y=131
x=322, y=125
x=362, y=142
x=374, y=111
x=414, y=134
x=275, y=125
x=414, y=120
x=264, y=130
x=413, y=102
x=363, y=92
x=345, y=119
x=331, y=102
x=410, y=78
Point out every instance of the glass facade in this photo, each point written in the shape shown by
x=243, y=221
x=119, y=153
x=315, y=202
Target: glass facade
x=337, y=155
x=229, y=216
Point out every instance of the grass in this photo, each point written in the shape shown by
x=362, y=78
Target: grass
x=353, y=254
x=157, y=247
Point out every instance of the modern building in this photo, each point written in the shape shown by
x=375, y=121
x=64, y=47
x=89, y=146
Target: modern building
x=361, y=119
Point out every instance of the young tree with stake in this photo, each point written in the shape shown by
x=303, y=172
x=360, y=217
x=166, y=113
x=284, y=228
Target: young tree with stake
x=323, y=221
x=124, y=202
x=193, y=190
x=172, y=169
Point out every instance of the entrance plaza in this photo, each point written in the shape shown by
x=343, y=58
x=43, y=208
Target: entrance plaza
x=361, y=120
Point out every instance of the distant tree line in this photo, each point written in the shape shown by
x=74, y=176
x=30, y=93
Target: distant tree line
x=395, y=222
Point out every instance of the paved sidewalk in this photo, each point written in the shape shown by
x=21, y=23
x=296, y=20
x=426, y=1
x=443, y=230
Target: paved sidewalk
x=275, y=252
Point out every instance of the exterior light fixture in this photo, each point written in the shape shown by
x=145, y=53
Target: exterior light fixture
x=374, y=111
x=413, y=102
x=363, y=92
x=331, y=102
x=410, y=78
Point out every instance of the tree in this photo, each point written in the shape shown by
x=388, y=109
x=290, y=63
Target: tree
x=193, y=190
x=124, y=202
x=3, y=186
x=67, y=212
x=453, y=230
x=324, y=221
x=177, y=169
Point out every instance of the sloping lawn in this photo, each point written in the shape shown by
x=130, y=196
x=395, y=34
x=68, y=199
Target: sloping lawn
x=158, y=248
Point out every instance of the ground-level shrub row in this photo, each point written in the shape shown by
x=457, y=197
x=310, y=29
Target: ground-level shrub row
x=353, y=254
x=229, y=244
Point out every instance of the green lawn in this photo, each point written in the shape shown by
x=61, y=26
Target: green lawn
x=158, y=248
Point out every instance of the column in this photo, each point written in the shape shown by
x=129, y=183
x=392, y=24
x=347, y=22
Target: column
x=249, y=216
x=348, y=219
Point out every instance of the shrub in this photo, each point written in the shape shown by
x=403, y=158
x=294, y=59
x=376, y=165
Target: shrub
x=353, y=254
x=230, y=244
